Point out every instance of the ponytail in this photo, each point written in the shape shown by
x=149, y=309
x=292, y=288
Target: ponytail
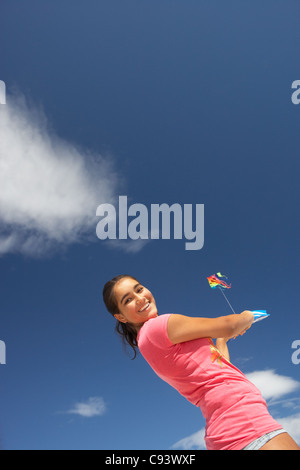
x=128, y=335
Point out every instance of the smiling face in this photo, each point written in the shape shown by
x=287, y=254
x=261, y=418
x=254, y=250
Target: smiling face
x=136, y=304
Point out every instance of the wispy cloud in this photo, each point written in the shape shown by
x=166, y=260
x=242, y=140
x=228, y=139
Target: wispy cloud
x=292, y=425
x=193, y=442
x=94, y=406
x=273, y=386
x=50, y=188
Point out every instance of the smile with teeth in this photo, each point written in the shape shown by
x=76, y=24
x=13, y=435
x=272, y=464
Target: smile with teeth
x=145, y=307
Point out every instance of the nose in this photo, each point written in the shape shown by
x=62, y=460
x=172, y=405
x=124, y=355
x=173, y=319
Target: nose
x=139, y=298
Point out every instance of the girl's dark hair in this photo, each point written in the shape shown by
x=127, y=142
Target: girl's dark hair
x=125, y=330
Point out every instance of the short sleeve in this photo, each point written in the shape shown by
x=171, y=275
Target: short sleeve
x=154, y=333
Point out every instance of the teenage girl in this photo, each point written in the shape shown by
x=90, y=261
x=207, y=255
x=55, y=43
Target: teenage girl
x=181, y=351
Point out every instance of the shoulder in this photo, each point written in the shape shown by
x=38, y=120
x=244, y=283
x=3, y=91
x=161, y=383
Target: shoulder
x=154, y=331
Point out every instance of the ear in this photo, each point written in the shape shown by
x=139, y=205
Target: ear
x=120, y=317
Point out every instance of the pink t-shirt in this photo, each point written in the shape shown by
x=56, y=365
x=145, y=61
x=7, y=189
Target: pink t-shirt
x=234, y=410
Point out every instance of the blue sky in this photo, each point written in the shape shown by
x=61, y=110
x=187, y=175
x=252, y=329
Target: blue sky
x=165, y=102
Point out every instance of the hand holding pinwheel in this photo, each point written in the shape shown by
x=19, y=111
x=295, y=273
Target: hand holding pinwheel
x=216, y=283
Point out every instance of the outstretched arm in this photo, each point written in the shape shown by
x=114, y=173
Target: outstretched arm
x=182, y=328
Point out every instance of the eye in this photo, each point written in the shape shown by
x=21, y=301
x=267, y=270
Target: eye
x=138, y=290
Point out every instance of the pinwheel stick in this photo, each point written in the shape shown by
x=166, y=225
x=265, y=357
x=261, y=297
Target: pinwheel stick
x=227, y=301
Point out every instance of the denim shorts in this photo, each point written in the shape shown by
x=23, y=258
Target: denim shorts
x=261, y=441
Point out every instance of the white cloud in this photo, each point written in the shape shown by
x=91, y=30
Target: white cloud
x=50, y=189
x=193, y=442
x=94, y=406
x=272, y=386
x=292, y=425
